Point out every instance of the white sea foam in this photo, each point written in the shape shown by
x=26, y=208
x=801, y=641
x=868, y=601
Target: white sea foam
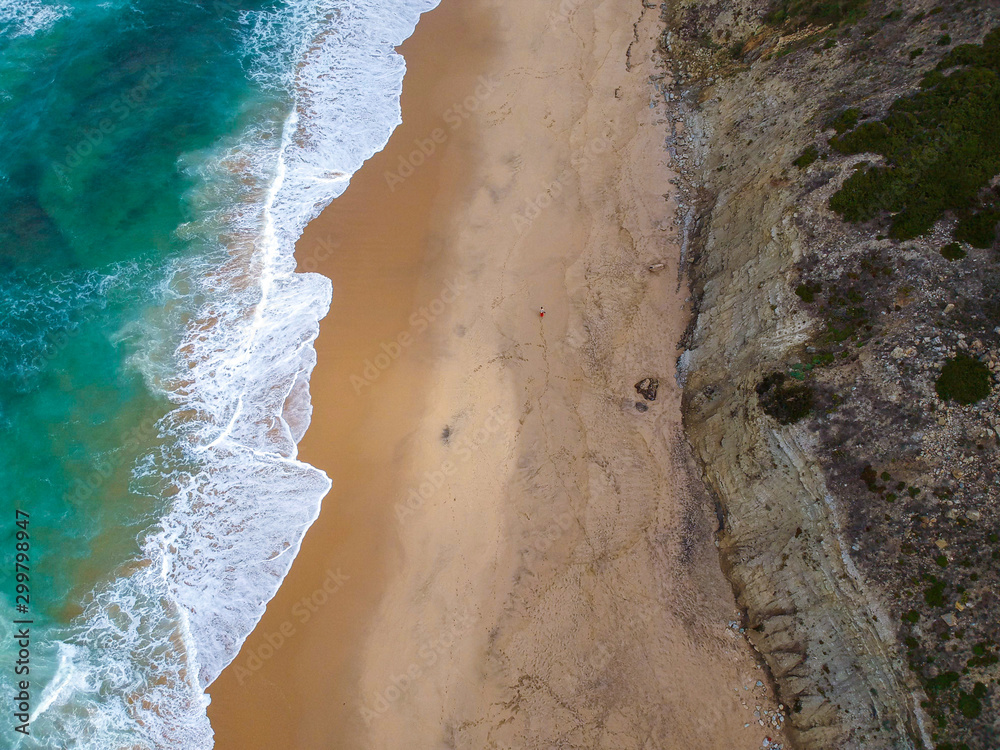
x=28, y=17
x=140, y=657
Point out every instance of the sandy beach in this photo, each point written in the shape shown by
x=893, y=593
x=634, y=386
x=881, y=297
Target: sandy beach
x=515, y=552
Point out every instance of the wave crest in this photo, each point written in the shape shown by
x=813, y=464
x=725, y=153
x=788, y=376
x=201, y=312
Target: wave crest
x=135, y=665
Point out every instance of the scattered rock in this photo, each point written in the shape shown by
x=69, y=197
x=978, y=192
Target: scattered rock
x=639, y=406
x=647, y=388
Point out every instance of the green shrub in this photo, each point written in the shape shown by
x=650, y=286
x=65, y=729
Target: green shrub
x=944, y=40
x=980, y=229
x=969, y=706
x=964, y=379
x=942, y=682
x=820, y=12
x=953, y=251
x=845, y=120
x=807, y=157
x=987, y=660
x=934, y=594
x=916, y=52
x=941, y=147
x=808, y=290
x=784, y=400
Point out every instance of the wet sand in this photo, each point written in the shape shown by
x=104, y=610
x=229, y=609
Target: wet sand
x=513, y=553
x=378, y=244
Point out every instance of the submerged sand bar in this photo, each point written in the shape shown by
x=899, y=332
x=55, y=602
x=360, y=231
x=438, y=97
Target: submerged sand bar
x=513, y=554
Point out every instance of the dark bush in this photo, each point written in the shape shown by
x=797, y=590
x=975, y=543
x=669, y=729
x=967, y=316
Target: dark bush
x=980, y=229
x=784, y=400
x=821, y=12
x=807, y=157
x=807, y=291
x=934, y=594
x=969, y=706
x=964, y=379
x=953, y=251
x=942, y=682
x=845, y=120
x=941, y=146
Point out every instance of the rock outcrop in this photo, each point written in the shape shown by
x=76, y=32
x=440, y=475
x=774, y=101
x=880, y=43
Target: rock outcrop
x=822, y=606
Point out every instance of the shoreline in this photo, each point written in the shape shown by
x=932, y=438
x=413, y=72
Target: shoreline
x=515, y=550
x=374, y=243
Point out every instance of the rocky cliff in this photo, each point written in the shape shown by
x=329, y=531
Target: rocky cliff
x=858, y=505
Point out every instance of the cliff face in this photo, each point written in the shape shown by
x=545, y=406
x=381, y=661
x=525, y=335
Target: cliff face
x=808, y=611
x=811, y=543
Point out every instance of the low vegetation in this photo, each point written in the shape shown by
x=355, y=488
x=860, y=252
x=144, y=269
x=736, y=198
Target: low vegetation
x=964, y=379
x=816, y=12
x=979, y=229
x=953, y=251
x=807, y=157
x=845, y=120
x=808, y=290
x=785, y=400
x=940, y=149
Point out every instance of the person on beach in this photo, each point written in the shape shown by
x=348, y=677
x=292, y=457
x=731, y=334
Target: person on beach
x=541, y=312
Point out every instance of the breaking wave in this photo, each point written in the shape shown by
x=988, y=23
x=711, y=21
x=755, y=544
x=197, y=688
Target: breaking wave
x=233, y=353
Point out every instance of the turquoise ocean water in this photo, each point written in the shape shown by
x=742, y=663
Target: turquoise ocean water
x=160, y=159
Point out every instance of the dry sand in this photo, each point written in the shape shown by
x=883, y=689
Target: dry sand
x=513, y=555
